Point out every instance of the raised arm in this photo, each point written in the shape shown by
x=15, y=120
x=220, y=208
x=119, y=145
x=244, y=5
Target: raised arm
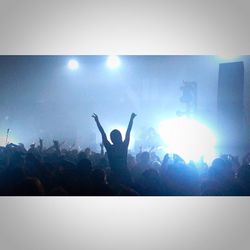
x=40, y=147
x=130, y=125
x=57, y=146
x=104, y=137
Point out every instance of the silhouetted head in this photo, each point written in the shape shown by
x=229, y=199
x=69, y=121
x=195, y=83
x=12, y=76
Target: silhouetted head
x=116, y=136
x=87, y=151
x=220, y=169
x=145, y=157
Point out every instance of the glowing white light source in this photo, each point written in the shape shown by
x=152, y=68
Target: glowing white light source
x=113, y=62
x=188, y=138
x=73, y=64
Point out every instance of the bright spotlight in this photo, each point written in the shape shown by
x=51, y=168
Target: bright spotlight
x=73, y=64
x=189, y=138
x=113, y=62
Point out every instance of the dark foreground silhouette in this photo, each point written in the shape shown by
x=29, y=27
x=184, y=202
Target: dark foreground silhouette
x=59, y=171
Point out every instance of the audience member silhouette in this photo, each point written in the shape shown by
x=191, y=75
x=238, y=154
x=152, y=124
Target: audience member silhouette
x=117, y=151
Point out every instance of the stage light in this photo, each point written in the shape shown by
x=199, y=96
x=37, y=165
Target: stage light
x=73, y=64
x=189, y=138
x=113, y=62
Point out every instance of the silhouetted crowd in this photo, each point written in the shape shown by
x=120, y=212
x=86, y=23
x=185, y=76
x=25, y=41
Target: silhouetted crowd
x=56, y=171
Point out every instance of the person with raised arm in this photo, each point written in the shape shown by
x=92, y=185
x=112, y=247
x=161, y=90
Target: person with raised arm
x=117, y=150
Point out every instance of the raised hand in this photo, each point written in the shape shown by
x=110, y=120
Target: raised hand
x=56, y=146
x=130, y=124
x=56, y=143
x=104, y=137
x=95, y=116
x=133, y=115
